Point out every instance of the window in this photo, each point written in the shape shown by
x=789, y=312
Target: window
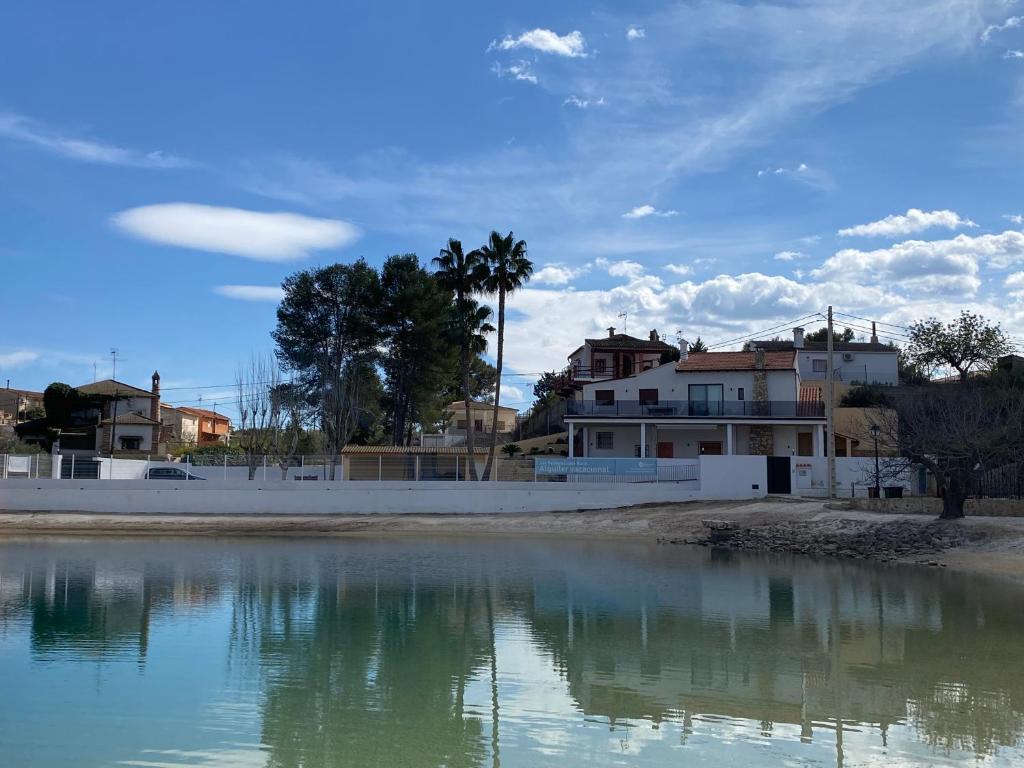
x=478, y=425
x=648, y=397
x=706, y=399
x=711, y=448
x=819, y=366
x=740, y=395
x=600, y=366
x=604, y=396
x=605, y=440
x=131, y=443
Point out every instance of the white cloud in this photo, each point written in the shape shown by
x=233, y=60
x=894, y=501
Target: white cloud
x=789, y=255
x=1013, y=54
x=679, y=269
x=519, y=70
x=557, y=274
x=24, y=130
x=622, y=268
x=1011, y=23
x=17, y=358
x=272, y=293
x=571, y=45
x=1015, y=218
x=643, y=211
x=938, y=266
x=1015, y=285
x=636, y=33
x=576, y=101
x=251, y=234
x=914, y=220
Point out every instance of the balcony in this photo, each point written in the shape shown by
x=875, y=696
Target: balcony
x=692, y=409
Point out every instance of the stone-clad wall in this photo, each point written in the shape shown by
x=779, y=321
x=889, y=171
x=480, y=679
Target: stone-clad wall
x=931, y=505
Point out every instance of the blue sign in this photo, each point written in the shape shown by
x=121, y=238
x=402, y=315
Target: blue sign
x=610, y=467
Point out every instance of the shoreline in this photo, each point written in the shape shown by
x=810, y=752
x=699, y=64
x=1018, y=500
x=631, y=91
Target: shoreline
x=985, y=545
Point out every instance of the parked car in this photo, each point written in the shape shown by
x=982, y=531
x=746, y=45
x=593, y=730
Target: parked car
x=172, y=473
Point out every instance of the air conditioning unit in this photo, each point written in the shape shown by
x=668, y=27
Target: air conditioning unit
x=847, y=357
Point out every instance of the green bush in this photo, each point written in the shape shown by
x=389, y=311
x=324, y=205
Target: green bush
x=213, y=455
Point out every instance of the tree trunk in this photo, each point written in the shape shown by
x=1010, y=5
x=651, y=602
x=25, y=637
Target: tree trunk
x=953, y=499
x=497, y=384
x=469, y=421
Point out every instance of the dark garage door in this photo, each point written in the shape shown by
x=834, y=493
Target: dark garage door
x=779, y=479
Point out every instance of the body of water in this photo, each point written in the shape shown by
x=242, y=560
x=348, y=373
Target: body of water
x=495, y=652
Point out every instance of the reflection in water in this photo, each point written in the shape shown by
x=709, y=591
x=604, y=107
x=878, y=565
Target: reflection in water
x=479, y=652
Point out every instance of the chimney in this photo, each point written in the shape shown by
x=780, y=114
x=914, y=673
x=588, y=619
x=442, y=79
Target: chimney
x=874, y=335
x=684, y=348
x=798, y=338
x=654, y=334
x=154, y=408
x=611, y=331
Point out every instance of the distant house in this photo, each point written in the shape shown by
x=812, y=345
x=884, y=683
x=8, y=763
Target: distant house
x=615, y=356
x=482, y=415
x=211, y=427
x=853, y=362
x=178, y=428
x=19, y=405
x=125, y=418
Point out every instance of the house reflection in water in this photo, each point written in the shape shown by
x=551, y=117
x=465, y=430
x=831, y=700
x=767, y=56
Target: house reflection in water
x=439, y=652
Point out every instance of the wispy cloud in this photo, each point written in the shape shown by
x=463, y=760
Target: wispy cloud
x=519, y=70
x=622, y=268
x=1013, y=54
x=18, y=128
x=679, y=269
x=643, y=211
x=1015, y=218
x=576, y=101
x=18, y=358
x=571, y=45
x=914, y=220
x=1011, y=23
x=789, y=255
x=636, y=33
x=251, y=234
x=272, y=293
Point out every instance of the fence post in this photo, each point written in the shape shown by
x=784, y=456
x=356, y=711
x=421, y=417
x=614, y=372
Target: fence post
x=380, y=468
x=188, y=464
x=417, y=471
x=147, y=467
x=72, y=466
x=457, y=462
x=7, y=459
x=225, y=466
x=264, y=468
x=302, y=467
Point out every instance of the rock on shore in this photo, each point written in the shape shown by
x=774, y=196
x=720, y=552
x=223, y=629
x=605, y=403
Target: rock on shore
x=887, y=541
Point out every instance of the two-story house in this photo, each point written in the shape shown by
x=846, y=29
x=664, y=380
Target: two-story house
x=853, y=362
x=125, y=418
x=708, y=403
x=211, y=427
x=615, y=356
x=19, y=405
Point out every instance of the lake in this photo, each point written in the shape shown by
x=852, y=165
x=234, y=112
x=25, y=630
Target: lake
x=495, y=652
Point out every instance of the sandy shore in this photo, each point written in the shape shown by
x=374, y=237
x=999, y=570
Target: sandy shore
x=995, y=546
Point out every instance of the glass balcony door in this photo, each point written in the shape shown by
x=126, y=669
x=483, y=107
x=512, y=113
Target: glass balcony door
x=706, y=399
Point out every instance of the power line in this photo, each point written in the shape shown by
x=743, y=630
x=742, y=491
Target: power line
x=765, y=330
x=869, y=320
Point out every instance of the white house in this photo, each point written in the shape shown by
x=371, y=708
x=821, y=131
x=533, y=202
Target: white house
x=853, y=362
x=710, y=403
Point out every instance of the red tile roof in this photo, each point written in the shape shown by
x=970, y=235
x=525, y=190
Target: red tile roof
x=736, y=361
x=203, y=412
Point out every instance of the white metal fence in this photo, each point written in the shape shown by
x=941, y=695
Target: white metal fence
x=29, y=465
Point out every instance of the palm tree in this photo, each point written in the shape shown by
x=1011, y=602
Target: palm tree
x=509, y=269
x=464, y=275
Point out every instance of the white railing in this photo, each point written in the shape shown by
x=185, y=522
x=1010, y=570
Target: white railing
x=28, y=465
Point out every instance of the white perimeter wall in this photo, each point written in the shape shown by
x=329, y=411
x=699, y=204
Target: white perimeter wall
x=298, y=498
x=733, y=477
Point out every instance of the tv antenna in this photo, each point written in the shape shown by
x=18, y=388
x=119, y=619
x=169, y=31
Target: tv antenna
x=625, y=316
x=113, y=363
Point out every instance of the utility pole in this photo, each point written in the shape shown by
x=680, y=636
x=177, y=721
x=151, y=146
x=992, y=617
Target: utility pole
x=830, y=437
x=113, y=421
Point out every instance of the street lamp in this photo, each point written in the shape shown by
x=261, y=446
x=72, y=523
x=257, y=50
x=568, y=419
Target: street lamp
x=875, y=432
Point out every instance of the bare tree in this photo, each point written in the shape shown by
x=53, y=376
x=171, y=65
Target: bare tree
x=255, y=384
x=290, y=419
x=956, y=431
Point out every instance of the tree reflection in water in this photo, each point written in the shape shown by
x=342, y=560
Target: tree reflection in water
x=374, y=653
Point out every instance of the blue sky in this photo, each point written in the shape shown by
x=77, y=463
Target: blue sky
x=709, y=168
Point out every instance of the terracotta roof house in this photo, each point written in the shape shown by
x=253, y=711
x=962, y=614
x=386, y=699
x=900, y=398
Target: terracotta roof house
x=751, y=402
x=16, y=405
x=615, y=356
x=125, y=418
x=211, y=427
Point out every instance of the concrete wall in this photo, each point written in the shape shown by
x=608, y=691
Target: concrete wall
x=289, y=498
x=930, y=505
x=733, y=477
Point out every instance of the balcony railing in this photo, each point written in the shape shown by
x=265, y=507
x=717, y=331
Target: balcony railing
x=675, y=409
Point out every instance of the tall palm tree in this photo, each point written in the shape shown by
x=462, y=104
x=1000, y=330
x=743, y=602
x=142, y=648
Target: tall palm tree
x=509, y=269
x=464, y=275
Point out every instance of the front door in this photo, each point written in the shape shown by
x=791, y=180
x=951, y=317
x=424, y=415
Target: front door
x=779, y=478
x=665, y=451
